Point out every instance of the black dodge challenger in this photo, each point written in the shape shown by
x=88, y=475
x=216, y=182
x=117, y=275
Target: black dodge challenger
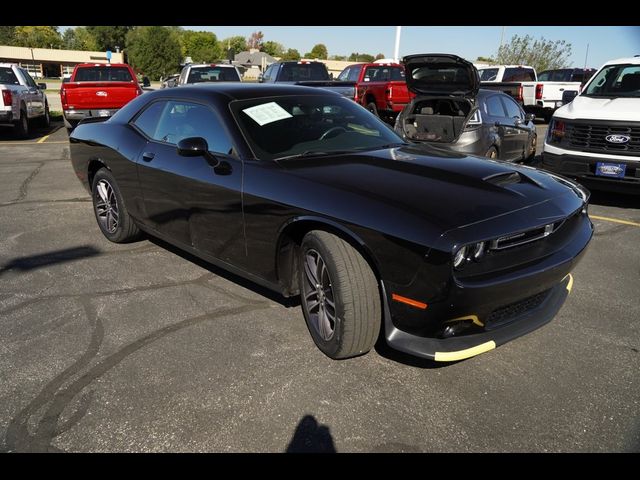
x=305, y=192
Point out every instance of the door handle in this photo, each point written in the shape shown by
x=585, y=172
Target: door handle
x=148, y=156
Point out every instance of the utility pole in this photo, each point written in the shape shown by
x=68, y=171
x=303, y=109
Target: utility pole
x=396, y=50
x=501, y=38
x=585, y=57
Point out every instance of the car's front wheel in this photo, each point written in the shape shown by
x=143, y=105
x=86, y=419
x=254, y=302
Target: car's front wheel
x=339, y=296
x=111, y=213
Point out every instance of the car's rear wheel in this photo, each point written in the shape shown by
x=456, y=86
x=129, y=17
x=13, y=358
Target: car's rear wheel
x=111, y=213
x=492, y=153
x=371, y=106
x=22, y=127
x=339, y=296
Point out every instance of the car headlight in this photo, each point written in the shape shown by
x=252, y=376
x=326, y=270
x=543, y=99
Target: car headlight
x=478, y=251
x=467, y=253
x=460, y=257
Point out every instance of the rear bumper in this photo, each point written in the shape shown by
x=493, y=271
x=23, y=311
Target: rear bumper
x=6, y=117
x=74, y=116
x=583, y=169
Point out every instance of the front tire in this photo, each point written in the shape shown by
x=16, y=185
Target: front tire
x=45, y=121
x=339, y=296
x=111, y=213
x=22, y=127
x=492, y=153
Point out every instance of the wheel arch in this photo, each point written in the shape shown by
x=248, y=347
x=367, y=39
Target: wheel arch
x=93, y=166
x=290, y=239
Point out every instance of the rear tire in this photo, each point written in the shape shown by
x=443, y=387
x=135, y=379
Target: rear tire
x=22, y=127
x=339, y=296
x=111, y=213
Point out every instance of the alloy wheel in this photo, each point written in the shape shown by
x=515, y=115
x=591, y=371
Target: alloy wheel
x=106, y=206
x=318, y=295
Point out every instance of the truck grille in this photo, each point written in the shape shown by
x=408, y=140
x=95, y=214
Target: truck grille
x=591, y=137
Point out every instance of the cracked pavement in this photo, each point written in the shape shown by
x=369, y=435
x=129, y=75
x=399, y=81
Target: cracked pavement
x=138, y=347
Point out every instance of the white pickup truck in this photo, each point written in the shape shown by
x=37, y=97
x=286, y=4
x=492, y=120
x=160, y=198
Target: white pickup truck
x=596, y=138
x=540, y=95
x=23, y=101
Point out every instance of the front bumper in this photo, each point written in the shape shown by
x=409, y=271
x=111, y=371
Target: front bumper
x=583, y=169
x=458, y=348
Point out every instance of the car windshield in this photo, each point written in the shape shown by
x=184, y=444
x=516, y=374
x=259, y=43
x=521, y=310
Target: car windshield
x=213, y=74
x=615, y=81
x=296, y=72
x=285, y=126
x=103, y=74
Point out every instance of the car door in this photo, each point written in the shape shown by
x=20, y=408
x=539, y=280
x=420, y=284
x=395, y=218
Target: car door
x=34, y=96
x=193, y=200
x=515, y=136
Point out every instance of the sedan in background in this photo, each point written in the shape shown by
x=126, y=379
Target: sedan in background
x=451, y=112
x=307, y=193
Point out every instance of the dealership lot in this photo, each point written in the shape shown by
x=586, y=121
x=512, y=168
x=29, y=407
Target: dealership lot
x=140, y=347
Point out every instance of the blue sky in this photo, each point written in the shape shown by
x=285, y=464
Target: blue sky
x=605, y=43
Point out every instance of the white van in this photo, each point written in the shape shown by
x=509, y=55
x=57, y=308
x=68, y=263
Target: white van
x=596, y=138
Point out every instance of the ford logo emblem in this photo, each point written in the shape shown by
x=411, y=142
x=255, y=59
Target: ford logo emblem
x=617, y=138
x=102, y=93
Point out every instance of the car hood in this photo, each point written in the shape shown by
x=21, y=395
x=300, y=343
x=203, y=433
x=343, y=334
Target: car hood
x=448, y=190
x=601, y=108
x=440, y=74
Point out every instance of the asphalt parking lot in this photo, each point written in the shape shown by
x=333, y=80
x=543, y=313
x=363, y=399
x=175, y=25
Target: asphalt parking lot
x=139, y=347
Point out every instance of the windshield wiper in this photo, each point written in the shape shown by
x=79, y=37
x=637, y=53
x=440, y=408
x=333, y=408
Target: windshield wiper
x=383, y=147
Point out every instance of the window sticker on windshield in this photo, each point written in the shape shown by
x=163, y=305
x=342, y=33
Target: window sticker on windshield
x=267, y=113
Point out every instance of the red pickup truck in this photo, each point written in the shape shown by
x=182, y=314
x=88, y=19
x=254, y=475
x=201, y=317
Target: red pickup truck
x=97, y=90
x=380, y=87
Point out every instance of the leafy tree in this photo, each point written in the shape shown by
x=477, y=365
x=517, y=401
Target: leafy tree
x=338, y=57
x=541, y=54
x=79, y=38
x=200, y=46
x=274, y=49
x=360, y=57
x=379, y=56
x=7, y=35
x=255, y=40
x=291, y=54
x=318, y=51
x=37, y=37
x=154, y=50
x=237, y=43
x=110, y=37
x=485, y=60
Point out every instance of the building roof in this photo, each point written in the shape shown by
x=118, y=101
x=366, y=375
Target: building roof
x=55, y=55
x=253, y=58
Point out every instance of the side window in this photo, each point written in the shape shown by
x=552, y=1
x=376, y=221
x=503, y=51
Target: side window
x=397, y=74
x=493, y=106
x=183, y=120
x=268, y=72
x=28, y=79
x=147, y=121
x=512, y=108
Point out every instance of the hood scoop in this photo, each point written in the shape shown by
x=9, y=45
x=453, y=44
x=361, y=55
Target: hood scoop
x=504, y=178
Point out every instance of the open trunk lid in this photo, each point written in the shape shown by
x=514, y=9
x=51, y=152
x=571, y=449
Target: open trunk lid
x=441, y=74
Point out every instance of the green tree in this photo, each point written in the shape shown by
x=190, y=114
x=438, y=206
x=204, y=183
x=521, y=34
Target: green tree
x=202, y=47
x=237, y=43
x=7, y=35
x=541, y=54
x=379, y=56
x=291, y=54
x=255, y=40
x=318, y=51
x=110, y=37
x=78, y=38
x=485, y=60
x=361, y=57
x=274, y=49
x=37, y=37
x=154, y=50
x=338, y=57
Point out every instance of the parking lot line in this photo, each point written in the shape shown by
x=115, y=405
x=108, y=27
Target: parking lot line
x=2, y=144
x=43, y=139
x=615, y=220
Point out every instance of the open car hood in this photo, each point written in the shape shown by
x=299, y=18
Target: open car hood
x=441, y=74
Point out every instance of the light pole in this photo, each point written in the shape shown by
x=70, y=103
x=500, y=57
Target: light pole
x=396, y=50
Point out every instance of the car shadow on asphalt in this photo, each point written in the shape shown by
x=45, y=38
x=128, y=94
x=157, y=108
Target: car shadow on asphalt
x=7, y=134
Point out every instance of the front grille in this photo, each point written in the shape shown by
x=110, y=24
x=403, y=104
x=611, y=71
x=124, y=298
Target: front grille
x=591, y=137
x=503, y=315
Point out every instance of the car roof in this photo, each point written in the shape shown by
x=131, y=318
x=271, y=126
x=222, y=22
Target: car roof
x=210, y=65
x=241, y=90
x=632, y=60
x=102, y=65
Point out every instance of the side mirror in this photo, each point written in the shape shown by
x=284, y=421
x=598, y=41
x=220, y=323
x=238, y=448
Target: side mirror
x=518, y=121
x=260, y=78
x=530, y=117
x=42, y=86
x=196, y=147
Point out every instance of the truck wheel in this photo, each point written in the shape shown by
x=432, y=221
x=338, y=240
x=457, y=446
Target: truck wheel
x=22, y=127
x=111, y=213
x=372, y=108
x=339, y=296
x=45, y=121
